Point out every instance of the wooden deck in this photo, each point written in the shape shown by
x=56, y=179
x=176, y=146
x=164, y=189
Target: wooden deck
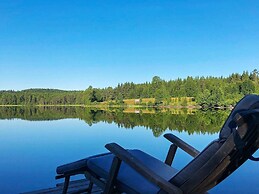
x=74, y=187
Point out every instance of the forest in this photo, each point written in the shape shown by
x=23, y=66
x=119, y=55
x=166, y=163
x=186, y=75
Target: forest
x=205, y=91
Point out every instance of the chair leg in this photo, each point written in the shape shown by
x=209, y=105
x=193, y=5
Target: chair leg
x=109, y=186
x=65, y=188
x=90, y=187
x=170, y=155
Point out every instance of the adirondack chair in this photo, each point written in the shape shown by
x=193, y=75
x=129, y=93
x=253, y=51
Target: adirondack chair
x=133, y=171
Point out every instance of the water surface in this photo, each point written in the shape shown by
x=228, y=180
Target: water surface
x=34, y=141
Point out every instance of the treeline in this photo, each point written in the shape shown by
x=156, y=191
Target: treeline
x=41, y=97
x=208, y=91
x=199, y=122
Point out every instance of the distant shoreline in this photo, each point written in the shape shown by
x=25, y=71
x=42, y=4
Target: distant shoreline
x=123, y=106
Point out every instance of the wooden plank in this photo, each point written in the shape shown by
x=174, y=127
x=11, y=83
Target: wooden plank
x=76, y=182
x=74, y=186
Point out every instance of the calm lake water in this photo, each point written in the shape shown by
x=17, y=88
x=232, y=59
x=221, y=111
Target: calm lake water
x=34, y=141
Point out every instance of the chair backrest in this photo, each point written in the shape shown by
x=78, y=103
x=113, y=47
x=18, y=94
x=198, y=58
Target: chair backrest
x=238, y=140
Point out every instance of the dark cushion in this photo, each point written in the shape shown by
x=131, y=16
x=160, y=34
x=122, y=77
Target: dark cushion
x=128, y=179
x=187, y=172
x=246, y=103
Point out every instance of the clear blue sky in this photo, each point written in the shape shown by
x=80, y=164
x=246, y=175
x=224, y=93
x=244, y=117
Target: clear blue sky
x=73, y=44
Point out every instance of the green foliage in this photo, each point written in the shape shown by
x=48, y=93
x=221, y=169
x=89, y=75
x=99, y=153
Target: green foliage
x=41, y=97
x=207, y=91
x=197, y=122
x=247, y=87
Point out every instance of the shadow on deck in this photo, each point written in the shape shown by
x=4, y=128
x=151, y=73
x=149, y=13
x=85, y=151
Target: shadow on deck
x=78, y=186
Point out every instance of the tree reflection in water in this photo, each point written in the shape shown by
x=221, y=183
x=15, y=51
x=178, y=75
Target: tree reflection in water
x=158, y=120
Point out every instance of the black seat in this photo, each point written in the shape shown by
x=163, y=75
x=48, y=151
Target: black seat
x=133, y=171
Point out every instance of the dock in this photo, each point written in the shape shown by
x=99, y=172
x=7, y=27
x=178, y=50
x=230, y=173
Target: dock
x=78, y=186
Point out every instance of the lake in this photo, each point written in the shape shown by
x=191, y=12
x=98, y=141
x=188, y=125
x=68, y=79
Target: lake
x=34, y=141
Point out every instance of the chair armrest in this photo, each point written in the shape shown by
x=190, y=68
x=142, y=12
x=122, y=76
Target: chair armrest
x=136, y=164
x=181, y=144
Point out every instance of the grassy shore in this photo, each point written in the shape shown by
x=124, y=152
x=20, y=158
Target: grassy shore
x=183, y=102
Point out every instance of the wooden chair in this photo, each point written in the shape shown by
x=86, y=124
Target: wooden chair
x=133, y=171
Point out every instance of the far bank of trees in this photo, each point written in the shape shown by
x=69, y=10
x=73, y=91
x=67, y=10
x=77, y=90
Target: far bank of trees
x=208, y=91
x=41, y=97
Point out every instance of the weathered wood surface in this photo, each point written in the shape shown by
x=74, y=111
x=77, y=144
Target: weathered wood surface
x=74, y=187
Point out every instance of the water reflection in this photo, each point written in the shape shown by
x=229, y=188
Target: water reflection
x=158, y=120
x=34, y=141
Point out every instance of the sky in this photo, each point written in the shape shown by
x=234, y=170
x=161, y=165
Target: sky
x=71, y=45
